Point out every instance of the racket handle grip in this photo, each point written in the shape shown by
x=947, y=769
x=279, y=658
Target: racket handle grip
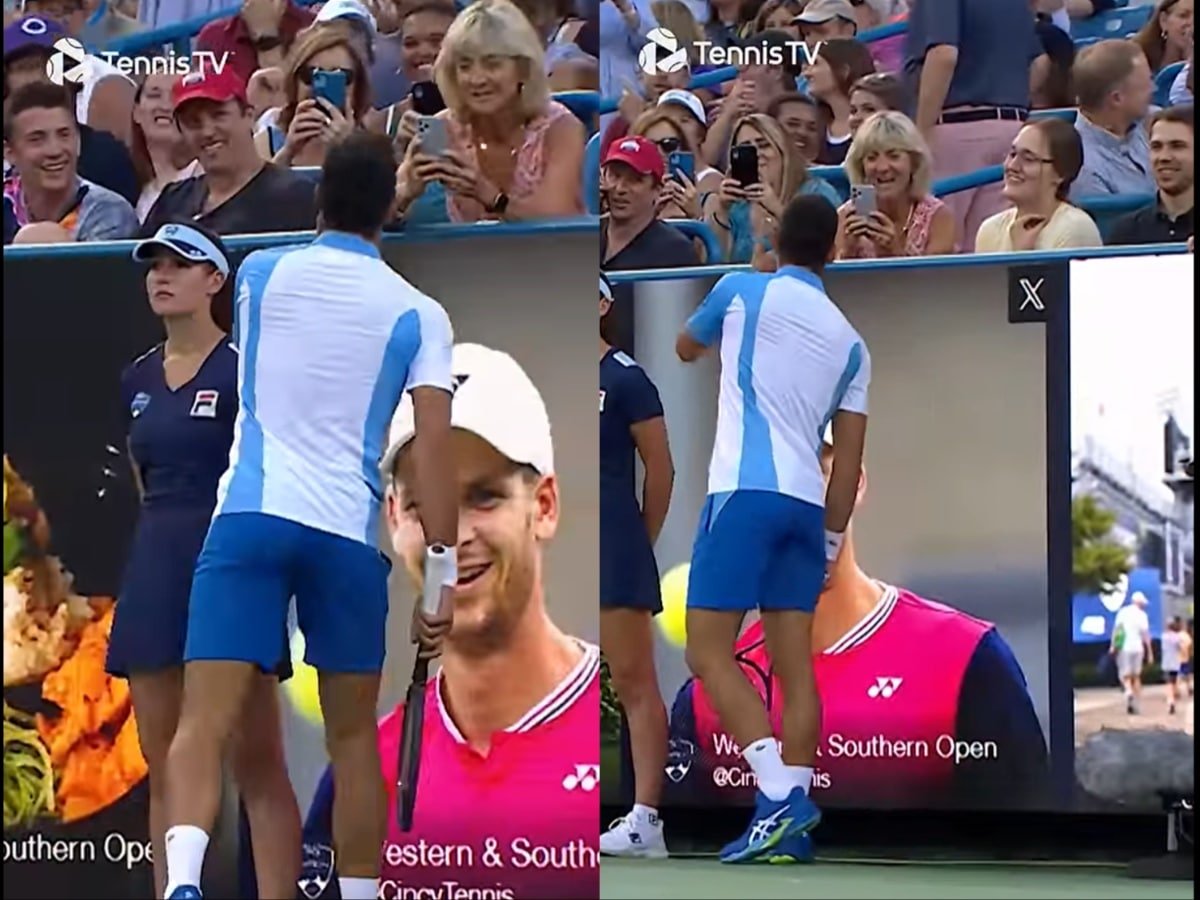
x=441, y=571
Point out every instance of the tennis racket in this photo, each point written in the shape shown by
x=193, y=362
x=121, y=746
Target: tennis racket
x=413, y=724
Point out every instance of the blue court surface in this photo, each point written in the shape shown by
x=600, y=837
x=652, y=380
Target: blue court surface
x=706, y=879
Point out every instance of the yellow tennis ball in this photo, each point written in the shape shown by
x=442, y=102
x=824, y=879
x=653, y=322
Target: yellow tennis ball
x=301, y=688
x=672, y=621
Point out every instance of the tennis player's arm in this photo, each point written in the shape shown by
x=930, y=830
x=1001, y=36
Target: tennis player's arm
x=704, y=326
x=430, y=381
x=849, y=440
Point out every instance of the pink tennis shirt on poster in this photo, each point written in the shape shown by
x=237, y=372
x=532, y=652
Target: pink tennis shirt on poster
x=518, y=822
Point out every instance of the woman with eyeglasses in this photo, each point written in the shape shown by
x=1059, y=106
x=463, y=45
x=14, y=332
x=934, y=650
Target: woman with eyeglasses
x=330, y=54
x=1042, y=164
x=181, y=402
x=681, y=192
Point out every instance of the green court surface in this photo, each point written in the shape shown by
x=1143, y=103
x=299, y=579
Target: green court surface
x=704, y=879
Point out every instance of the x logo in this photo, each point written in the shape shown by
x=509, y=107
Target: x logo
x=1032, y=297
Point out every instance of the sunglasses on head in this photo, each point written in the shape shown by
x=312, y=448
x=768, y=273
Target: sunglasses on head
x=305, y=74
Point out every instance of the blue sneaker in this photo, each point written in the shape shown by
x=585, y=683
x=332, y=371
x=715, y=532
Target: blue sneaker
x=773, y=821
x=186, y=892
x=795, y=849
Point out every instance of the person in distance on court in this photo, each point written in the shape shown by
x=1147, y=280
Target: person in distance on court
x=631, y=419
x=771, y=527
x=333, y=339
x=510, y=746
x=1170, y=219
x=874, y=687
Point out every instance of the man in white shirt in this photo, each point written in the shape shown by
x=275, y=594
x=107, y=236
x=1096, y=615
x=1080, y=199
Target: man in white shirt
x=330, y=339
x=1132, y=648
x=1174, y=640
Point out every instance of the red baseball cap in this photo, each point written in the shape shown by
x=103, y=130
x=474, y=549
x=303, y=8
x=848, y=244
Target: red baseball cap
x=208, y=84
x=639, y=154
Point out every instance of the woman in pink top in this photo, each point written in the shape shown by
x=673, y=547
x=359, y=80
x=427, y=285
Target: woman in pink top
x=891, y=160
x=513, y=153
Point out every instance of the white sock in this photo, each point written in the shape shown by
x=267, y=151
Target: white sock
x=359, y=888
x=763, y=756
x=645, y=815
x=801, y=777
x=186, y=845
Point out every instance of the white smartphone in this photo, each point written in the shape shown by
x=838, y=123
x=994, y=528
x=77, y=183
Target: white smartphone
x=865, y=202
x=432, y=136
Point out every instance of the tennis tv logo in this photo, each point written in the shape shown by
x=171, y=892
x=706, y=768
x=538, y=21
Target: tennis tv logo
x=662, y=53
x=68, y=62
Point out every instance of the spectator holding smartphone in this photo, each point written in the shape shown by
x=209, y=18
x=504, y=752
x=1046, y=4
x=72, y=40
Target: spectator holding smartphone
x=324, y=63
x=1043, y=162
x=511, y=152
x=745, y=211
x=422, y=31
x=897, y=215
x=681, y=190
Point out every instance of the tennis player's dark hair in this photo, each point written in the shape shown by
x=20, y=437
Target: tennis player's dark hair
x=358, y=184
x=807, y=232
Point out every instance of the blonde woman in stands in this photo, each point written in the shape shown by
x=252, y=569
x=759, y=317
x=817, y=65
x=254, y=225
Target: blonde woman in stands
x=892, y=161
x=1044, y=160
x=746, y=217
x=1167, y=38
x=513, y=153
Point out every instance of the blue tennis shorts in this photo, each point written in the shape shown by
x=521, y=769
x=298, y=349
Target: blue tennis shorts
x=757, y=549
x=252, y=565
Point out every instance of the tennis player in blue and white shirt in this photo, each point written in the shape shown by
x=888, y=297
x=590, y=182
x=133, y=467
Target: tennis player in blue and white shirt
x=330, y=340
x=791, y=364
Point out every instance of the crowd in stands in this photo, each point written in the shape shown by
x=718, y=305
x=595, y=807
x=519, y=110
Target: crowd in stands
x=1054, y=142
x=237, y=142
x=1051, y=132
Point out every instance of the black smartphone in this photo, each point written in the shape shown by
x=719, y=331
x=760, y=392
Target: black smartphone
x=743, y=164
x=426, y=98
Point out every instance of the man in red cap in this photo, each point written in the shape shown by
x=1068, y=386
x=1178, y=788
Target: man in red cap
x=238, y=192
x=631, y=178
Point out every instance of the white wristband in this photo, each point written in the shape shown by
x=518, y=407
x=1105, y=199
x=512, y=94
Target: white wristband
x=833, y=545
x=441, y=570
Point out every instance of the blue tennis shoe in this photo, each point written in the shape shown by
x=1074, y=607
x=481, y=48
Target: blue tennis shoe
x=774, y=820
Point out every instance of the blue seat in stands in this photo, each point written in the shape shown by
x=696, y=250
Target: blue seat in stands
x=694, y=229
x=1106, y=210
x=1117, y=23
x=1162, y=83
x=584, y=104
x=835, y=175
x=591, y=175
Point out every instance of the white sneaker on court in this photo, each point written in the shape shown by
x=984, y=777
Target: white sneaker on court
x=632, y=838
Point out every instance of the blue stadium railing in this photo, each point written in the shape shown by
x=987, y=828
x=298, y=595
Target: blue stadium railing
x=918, y=262
x=416, y=234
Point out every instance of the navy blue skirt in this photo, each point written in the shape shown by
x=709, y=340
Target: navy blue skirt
x=150, y=623
x=628, y=569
